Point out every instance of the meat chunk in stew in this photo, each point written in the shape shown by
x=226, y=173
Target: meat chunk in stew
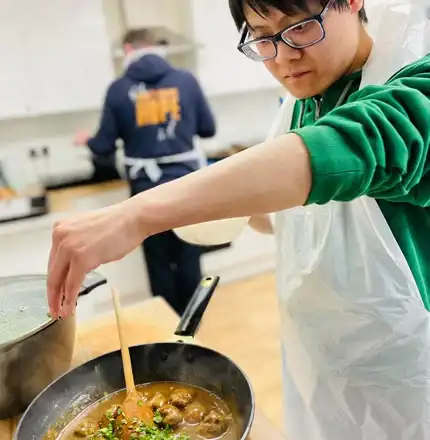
x=194, y=413
x=86, y=428
x=157, y=401
x=181, y=397
x=213, y=425
x=171, y=415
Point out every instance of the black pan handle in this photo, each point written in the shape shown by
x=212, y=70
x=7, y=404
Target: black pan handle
x=196, y=308
x=92, y=281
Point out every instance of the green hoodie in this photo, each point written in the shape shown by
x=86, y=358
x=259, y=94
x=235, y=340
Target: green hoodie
x=375, y=142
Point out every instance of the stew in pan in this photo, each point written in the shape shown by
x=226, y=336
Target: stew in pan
x=181, y=412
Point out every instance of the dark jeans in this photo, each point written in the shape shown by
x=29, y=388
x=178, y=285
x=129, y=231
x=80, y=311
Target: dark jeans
x=173, y=268
x=173, y=265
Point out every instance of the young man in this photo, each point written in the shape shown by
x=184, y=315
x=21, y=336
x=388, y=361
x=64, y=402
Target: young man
x=351, y=187
x=156, y=110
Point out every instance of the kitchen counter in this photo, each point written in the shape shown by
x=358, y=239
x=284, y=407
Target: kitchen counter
x=64, y=202
x=241, y=322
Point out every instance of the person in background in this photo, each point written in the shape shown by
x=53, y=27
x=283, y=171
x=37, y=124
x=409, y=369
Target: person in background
x=156, y=110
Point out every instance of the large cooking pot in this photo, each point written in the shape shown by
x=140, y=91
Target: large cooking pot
x=177, y=361
x=34, y=349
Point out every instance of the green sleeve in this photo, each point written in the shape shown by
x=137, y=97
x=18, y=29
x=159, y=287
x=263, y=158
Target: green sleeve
x=376, y=144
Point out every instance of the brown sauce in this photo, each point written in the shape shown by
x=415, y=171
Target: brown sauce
x=182, y=409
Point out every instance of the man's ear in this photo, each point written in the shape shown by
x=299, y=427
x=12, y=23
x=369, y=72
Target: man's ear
x=356, y=5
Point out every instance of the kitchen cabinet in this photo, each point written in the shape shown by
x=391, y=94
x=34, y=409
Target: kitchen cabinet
x=25, y=250
x=57, y=57
x=221, y=68
x=25, y=247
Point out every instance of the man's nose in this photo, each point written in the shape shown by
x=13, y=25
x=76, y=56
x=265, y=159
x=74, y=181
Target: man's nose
x=287, y=53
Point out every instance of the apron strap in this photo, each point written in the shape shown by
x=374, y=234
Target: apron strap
x=151, y=166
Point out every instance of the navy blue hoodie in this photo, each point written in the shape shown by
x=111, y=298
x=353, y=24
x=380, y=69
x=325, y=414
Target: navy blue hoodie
x=156, y=110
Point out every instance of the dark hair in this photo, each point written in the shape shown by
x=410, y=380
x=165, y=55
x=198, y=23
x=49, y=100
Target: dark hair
x=138, y=36
x=288, y=7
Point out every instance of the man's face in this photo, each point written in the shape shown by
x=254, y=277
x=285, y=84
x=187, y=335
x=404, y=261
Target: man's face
x=310, y=71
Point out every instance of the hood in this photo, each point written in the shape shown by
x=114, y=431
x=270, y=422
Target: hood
x=149, y=69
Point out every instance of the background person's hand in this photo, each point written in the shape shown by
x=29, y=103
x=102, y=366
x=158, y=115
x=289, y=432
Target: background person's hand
x=83, y=243
x=81, y=138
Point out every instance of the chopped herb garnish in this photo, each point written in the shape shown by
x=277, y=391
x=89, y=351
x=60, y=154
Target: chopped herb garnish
x=158, y=418
x=137, y=430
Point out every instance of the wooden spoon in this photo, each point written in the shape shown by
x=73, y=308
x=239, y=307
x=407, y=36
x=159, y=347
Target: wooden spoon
x=133, y=405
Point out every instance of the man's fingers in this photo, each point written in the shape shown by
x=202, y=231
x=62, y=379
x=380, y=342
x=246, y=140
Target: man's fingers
x=54, y=301
x=74, y=281
x=54, y=286
x=58, y=269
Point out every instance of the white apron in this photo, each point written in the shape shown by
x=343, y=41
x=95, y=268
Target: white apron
x=355, y=334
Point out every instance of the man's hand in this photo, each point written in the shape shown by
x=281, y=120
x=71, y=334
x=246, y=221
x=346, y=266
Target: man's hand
x=82, y=244
x=269, y=177
x=81, y=138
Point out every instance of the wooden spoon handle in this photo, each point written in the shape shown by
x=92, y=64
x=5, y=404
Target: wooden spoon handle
x=125, y=353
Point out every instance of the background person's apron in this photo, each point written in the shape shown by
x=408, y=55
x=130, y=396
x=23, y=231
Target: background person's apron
x=356, y=336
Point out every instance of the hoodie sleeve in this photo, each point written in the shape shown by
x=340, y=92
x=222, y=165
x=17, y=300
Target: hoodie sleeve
x=103, y=143
x=206, y=127
x=375, y=145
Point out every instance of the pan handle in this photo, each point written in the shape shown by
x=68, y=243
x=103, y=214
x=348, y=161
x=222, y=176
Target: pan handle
x=92, y=280
x=193, y=314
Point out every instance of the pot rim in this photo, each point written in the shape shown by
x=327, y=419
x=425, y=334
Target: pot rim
x=100, y=280
x=49, y=320
x=10, y=344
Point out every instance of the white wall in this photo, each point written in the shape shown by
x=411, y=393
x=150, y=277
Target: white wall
x=241, y=117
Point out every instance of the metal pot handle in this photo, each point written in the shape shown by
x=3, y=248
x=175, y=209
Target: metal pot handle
x=192, y=317
x=92, y=280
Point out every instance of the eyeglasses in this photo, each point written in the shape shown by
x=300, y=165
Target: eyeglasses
x=304, y=34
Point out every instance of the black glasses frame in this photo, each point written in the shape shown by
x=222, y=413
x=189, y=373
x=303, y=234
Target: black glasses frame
x=275, y=39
